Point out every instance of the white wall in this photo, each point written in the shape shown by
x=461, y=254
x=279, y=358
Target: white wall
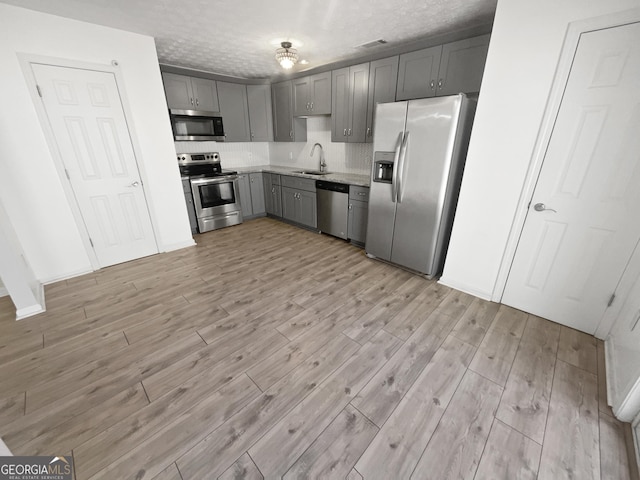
x=525, y=46
x=29, y=184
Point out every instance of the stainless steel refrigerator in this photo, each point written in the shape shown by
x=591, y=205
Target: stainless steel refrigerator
x=419, y=151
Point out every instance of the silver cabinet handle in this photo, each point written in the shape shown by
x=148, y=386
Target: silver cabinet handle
x=252, y=180
x=345, y=132
x=432, y=84
x=541, y=207
x=191, y=100
x=307, y=106
x=349, y=132
x=440, y=83
x=362, y=194
x=291, y=134
x=273, y=189
x=368, y=131
x=253, y=135
x=197, y=102
x=350, y=207
x=311, y=105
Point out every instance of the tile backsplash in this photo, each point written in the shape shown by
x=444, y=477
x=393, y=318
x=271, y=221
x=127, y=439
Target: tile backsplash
x=340, y=157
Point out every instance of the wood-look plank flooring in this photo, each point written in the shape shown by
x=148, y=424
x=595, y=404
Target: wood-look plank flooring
x=269, y=351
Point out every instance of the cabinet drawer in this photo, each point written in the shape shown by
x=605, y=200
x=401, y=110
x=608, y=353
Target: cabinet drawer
x=275, y=178
x=186, y=186
x=359, y=193
x=308, y=184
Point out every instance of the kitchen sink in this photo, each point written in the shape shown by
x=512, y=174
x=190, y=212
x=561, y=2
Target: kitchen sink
x=312, y=172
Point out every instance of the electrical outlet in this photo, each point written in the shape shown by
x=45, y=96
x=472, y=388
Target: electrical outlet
x=290, y=155
x=250, y=155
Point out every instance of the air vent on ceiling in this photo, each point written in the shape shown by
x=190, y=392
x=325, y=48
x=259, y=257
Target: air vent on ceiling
x=374, y=43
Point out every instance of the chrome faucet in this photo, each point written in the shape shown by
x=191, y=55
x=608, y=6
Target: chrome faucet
x=323, y=164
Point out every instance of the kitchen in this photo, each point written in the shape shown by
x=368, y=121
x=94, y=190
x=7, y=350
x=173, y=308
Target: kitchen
x=172, y=226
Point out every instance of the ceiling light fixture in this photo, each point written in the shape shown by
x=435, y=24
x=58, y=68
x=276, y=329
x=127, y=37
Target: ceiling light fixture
x=286, y=55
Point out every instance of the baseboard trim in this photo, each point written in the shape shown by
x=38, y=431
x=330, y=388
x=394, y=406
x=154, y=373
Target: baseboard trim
x=178, y=246
x=465, y=288
x=65, y=276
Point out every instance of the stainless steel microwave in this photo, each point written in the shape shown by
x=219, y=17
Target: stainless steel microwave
x=196, y=125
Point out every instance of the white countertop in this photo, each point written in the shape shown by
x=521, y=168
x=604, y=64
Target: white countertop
x=348, y=178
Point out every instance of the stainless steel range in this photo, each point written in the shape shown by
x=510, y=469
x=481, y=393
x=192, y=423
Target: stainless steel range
x=215, y=193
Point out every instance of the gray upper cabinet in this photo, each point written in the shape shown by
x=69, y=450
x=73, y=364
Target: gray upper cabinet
x=418, y=73
x=260, y=113
x=462, y=65
x=349, y=103
x=383, y=76
x=312, y=95
x=190, y=93
x=234, y=109
x=286, y=128
x=443, y=70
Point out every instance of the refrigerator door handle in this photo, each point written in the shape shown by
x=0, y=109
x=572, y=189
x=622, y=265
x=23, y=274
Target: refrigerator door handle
x=403, y=161
x=396, y=160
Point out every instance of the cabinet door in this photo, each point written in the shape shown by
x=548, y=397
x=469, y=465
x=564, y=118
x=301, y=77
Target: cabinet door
x=244, y=190
x=276, y=194
x=306, y=209
x=235, y=111
x=257, y=193
x=383, y=78
x=358, y=97
x=268, y=194
x=340, y=105
x=260, y=119
x=357, y=227
x=301, y=102
x=178, y=91
x=282, y=112
x=289, y=204
x=320, y=93
x=418, y=73
x=205, y=94
x=462, y=66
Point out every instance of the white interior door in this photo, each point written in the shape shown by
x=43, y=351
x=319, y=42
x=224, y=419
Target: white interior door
x=85, y=113
x=583, y=223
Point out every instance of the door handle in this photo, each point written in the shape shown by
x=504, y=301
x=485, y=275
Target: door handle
x=394, y=174
x=541, y=207
x=403, y=159
x=134, y=184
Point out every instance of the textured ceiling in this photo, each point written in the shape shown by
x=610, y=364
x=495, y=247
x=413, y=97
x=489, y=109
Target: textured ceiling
x=236, y=37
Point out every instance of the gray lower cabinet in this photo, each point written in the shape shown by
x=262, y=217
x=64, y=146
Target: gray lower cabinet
x=257, y=193
x=299, y=206
x=234, y=109
x=358, y=210
x=191, y=209
x=299, y=200
x=272, y=194
x=251, y=192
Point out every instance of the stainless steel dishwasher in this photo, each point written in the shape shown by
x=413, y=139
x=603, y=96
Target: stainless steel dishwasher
x=333, y=208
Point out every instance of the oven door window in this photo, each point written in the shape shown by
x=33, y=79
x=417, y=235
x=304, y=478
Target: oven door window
x=216, y=194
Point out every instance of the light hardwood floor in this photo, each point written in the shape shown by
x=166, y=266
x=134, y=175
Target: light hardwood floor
x=270, y=351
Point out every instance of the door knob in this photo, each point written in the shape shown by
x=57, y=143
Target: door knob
x=541, y=207
x=135, y=184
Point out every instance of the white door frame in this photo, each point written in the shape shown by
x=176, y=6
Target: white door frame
x=569, y=47
x=25, y=62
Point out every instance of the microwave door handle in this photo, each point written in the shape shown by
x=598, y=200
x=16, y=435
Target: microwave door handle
x=394, y=173
x=401, y=168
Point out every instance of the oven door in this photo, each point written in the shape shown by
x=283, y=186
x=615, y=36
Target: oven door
x=215, y=196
